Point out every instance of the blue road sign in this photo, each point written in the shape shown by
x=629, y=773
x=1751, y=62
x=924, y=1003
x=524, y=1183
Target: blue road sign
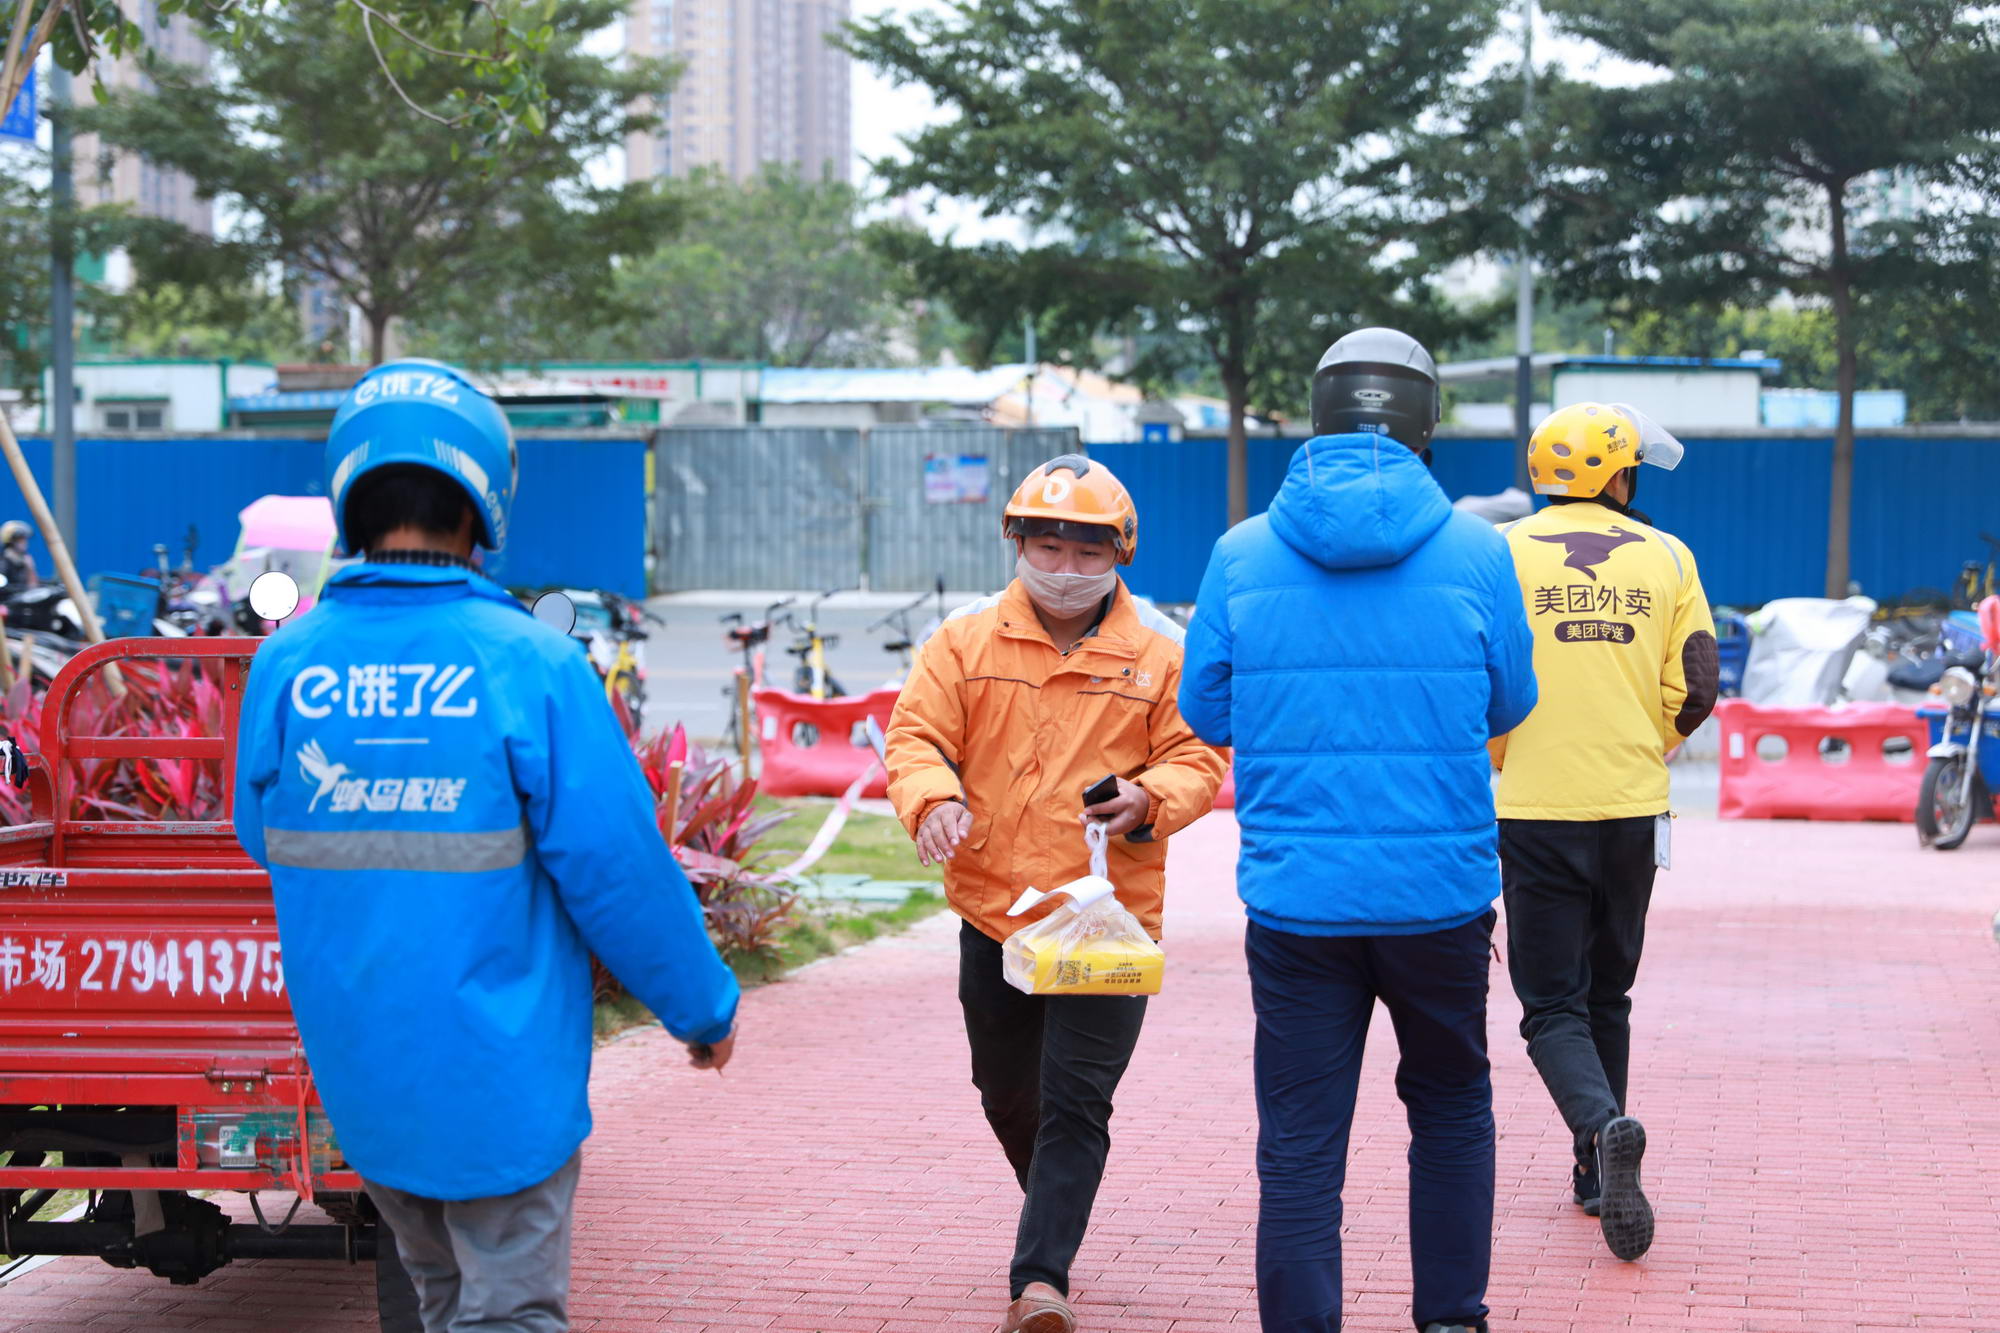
x=19, y=125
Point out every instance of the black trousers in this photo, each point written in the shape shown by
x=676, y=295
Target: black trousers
x=1577, y=893
x=1045, y=1068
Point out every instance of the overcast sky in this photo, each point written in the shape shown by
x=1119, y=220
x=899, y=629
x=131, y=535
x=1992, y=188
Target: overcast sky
x=883, y=112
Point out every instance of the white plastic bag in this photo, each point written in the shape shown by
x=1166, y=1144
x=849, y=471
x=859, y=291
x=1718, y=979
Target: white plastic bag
x=1091, y=945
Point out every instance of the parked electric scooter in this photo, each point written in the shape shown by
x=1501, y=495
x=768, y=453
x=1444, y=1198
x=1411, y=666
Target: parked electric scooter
x=1964, y=769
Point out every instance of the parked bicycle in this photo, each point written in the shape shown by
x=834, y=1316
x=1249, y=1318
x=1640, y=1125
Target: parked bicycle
x=747, y=637
x=903, y=640
x=611, y=627
x=1976, y=582
x=812, y=675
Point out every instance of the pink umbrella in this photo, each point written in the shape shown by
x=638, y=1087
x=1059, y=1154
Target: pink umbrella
x=289, y=523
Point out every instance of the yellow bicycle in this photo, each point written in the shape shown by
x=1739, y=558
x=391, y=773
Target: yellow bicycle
x=812, y=676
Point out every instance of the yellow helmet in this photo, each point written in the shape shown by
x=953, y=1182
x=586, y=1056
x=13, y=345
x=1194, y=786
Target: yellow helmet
x=1579, y=449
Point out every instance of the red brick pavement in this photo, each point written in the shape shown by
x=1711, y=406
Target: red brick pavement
x=1817, y=1061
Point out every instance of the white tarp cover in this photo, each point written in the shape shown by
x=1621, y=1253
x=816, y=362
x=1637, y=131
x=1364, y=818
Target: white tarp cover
x=1801, y=648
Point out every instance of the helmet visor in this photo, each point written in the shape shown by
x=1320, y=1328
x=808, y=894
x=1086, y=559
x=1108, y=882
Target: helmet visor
x=1657, y=444
x=1065, y=529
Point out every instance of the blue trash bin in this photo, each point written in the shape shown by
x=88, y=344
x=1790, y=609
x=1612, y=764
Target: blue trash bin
x=127, y=606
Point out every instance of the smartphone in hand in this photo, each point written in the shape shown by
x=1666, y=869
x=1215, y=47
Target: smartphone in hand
x=1104, y=789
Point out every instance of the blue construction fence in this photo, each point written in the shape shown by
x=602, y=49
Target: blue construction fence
x=579, y=516
x=1752, y=508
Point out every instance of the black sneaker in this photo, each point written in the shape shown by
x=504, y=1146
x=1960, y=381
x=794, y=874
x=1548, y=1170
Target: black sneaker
x=1454, y=1328
x=1624, y=1214
x=1585, y=1189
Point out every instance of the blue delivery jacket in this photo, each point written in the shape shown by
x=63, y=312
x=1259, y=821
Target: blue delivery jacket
x=453, y=822
x=1357, y=645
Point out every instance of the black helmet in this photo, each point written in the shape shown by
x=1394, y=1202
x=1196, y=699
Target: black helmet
x=1381, y=382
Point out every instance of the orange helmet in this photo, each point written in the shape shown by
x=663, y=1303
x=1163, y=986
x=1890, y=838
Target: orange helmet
x=1075, y=494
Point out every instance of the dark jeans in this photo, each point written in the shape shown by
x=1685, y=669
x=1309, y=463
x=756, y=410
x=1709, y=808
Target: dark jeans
x=1577, y=893
x=1045, y=1068
x=1314, y=997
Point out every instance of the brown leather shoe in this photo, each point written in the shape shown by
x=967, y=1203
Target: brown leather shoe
x=1041, y=1309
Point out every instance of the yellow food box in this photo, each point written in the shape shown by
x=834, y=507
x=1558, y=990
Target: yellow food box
x=1109, y=967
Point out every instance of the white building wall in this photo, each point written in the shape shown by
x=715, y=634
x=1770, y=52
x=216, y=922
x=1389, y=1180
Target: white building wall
x=1690, y=399
x=188, y=395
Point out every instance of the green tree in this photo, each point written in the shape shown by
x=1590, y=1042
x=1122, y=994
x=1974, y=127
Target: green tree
x=1217, y=172
x=244, y=321
x=774, y=270
x=337, y=182
x=24, y=281
x=502, y=42
x=26, y=217
x=1764, y=161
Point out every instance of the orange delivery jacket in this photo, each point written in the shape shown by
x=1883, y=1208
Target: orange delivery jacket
x=995, y=716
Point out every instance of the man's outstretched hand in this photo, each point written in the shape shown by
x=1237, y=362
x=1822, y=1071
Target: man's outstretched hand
x=941, y=833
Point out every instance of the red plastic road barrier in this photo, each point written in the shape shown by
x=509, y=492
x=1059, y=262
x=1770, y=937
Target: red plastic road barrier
x=809, y=745
x=1813, y=779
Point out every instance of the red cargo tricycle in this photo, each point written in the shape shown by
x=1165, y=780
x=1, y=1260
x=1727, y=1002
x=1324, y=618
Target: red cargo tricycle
x=147, y=1050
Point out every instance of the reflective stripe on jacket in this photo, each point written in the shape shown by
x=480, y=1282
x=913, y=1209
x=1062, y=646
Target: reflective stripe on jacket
x=1625, y=652
x=454, y=823
x=995, y=716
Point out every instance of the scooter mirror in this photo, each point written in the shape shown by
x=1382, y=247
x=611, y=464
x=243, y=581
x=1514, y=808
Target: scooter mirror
x=557, y=611
x=274, y=595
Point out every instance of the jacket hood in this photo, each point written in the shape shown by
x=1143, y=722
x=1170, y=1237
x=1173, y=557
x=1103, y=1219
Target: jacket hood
x=1357, y=502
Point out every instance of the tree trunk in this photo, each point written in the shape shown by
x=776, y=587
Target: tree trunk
x=378, y=335
x=1235, y=382
x=1840, y=501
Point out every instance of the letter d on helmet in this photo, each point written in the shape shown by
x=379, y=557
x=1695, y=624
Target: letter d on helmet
x=427, y=414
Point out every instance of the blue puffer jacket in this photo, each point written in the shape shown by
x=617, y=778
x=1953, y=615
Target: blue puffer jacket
x=453, y=822
x=1358, y=644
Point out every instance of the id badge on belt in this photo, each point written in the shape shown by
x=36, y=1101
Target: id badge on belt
x=1663, y=840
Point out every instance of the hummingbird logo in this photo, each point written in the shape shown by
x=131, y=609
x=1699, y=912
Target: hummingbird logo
x=314, y=766
x=1590, y=549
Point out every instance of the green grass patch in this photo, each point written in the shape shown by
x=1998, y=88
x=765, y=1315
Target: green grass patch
x=813, y=934
x=871, y=845
x=816, y=934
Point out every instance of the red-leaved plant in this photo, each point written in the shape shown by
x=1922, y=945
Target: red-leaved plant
x=714, y=834
x=161, y=699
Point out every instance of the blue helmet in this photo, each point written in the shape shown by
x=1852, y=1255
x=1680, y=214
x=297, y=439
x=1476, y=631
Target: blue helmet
x=423, y=412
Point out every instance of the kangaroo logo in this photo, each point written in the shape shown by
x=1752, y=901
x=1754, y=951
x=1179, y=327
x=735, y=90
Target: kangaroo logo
x=1590, y=549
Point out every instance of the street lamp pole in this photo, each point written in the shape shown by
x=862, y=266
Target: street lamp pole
x=1524, y=261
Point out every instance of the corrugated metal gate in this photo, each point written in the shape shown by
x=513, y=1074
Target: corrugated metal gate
x=757, y=507
x=912, y=542
x=789, y=508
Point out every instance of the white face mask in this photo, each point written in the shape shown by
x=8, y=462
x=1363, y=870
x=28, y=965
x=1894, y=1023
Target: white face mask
x=1066, y=596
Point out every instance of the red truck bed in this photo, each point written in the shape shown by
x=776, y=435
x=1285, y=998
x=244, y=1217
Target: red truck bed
x=145, y=1037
